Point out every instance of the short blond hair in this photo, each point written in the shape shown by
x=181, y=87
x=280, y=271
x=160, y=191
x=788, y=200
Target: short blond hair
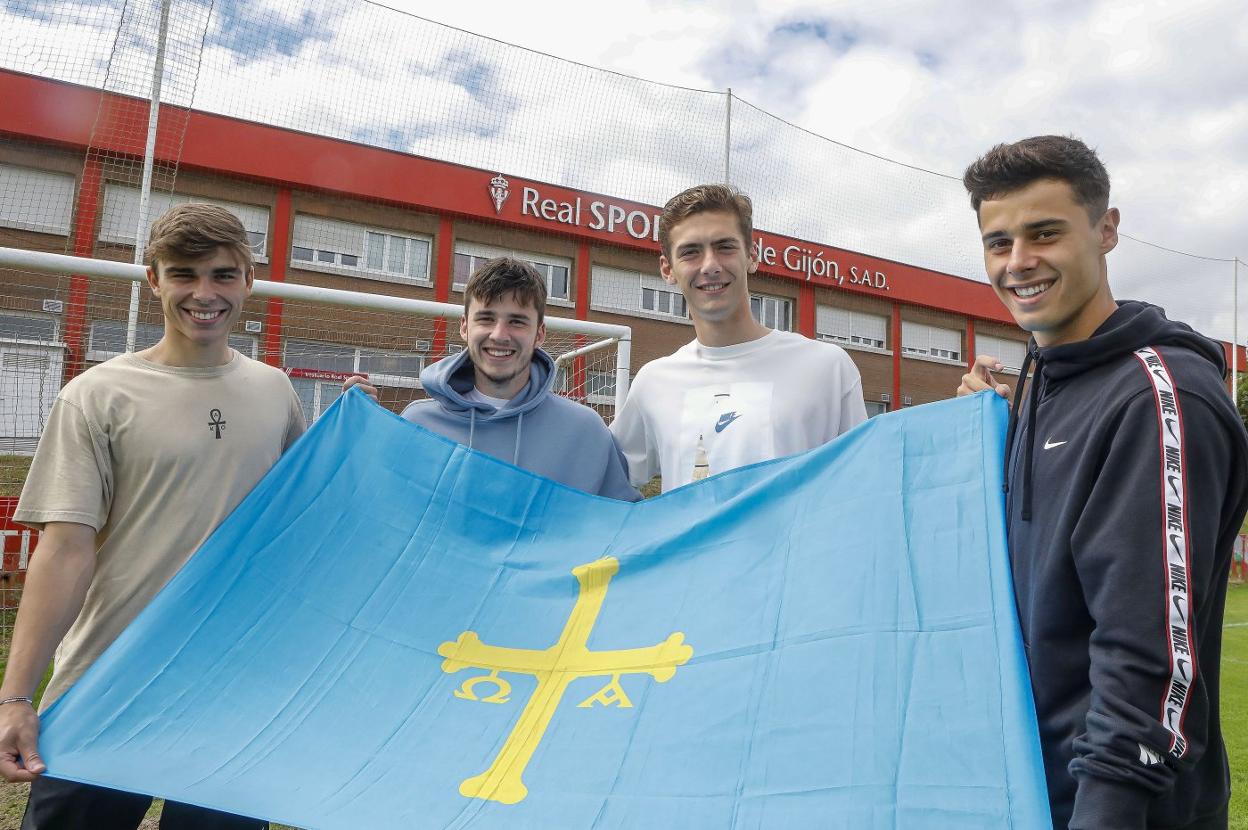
x=702, y=199
x=194, y=231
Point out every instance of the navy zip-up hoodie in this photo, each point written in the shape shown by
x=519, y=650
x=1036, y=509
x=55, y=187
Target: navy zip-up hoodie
x=1126, y=471
x=537, y=430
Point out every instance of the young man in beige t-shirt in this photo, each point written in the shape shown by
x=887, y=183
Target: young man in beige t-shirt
x=143, y=456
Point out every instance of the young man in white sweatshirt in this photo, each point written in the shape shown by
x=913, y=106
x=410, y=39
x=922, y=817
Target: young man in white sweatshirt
x=740, y=393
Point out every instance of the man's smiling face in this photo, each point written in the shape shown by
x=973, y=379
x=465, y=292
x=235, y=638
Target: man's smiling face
x=710, y=262
x=501, y=338
x=202, y=300
x=1045, y=258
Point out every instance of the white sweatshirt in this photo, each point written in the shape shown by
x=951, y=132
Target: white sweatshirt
x=775, y=396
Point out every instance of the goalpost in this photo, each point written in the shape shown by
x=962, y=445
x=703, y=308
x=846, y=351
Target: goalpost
x=318, y=335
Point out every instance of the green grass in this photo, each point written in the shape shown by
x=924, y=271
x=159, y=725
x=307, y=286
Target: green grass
x=13, y=469
x=1235, y=699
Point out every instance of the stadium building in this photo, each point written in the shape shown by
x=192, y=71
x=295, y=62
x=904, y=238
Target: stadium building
x=331, y=213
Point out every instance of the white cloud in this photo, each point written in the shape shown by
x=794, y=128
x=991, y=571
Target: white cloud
x=1158, y=87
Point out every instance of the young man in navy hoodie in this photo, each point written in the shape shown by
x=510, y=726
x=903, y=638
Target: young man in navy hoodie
x=1126, y=488
x=495, y=396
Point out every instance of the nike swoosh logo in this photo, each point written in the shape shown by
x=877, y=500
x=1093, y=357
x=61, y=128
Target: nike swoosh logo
x=1176, y=602
x=1174, y=541
x=1170, y=427
x=1187, y=678
x=724, y=420
x=1049, y=443
x=1162, y=377
x=1173, y=486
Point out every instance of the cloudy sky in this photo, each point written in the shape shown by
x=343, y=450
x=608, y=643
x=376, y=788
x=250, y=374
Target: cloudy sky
x=631, y=103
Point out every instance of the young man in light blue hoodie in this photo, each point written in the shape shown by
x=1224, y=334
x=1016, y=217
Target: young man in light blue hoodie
x=495, y=396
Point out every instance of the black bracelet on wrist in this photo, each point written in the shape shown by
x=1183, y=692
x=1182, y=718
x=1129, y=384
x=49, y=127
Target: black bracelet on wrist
x=19, y=699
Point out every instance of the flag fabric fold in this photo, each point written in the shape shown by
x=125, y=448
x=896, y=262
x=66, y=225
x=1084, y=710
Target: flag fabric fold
x=393, y=631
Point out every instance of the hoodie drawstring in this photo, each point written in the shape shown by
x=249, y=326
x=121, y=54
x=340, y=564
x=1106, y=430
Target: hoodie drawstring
x=515, y=455
x=472, y=424
x=1033, y=404
x=1014, y=410
x=1033, y=400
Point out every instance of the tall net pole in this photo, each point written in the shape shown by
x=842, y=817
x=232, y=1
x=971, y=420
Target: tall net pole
x=145, y=192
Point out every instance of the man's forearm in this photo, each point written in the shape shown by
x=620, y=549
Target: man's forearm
x=56, y=586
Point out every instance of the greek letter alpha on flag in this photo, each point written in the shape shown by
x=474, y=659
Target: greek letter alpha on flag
x=393, y=631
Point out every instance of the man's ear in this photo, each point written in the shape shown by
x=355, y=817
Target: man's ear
x=250, y=276
x=153, y=281
x=541, y=335
x=463, y=327
x=665, y=270
x=1108, y=230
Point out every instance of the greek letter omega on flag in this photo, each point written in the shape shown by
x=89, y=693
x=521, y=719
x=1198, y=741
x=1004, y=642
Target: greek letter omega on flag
x=393, y=631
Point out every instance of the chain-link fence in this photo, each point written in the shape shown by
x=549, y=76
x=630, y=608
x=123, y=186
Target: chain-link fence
x=366, y=74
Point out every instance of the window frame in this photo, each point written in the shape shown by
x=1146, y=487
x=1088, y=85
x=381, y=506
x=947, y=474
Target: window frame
x=97, y=355
x=543, y=263
x=1009, y=369
x=162, y=201
x=632, y=285
x=55, y=340
x=779, y=302
x=855, y=339
x=358, y=354
x=934, y=354
x=39, y=181
x=360, y=268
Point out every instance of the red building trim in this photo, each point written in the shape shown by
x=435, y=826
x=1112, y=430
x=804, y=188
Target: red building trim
x=970, y=342
x=86, y=216
x=46, y=110
x=896, y=344
x=279, y=256
x=806, y=310
x=583, y=268
x=442, y=278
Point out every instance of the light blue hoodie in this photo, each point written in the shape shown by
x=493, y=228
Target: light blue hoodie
x=537, y=430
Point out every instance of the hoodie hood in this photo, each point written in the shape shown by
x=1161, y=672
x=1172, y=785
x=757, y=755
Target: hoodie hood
x=448, y=380
x=451, y=378
x=1132, y=326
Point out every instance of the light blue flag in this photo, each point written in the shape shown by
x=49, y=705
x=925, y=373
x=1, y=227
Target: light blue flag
x=393, y=631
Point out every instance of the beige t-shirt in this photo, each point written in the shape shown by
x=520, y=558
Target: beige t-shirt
x=154, y=458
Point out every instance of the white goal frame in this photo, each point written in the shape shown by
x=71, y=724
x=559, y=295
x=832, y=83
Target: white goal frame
x=608, y=334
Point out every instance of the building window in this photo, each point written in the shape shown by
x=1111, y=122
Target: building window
x=384, y=368
x=875, y=408
x=469, y=256
x=1009, y=352
x=663, y=301
x=35, y=200
x=107, y=338
x=632, y=292
x=120, y=216
x=345, y=247
x=854, y=329
x=600, y=387
x=27, y=329
x=932, y=342
x=772, y=312
x=318, y=369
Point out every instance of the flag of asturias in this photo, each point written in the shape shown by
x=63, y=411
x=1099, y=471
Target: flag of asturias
x=393, y=631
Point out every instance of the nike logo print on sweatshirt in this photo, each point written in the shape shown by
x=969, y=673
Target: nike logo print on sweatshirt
x=724, y=420
x=1049, y=443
